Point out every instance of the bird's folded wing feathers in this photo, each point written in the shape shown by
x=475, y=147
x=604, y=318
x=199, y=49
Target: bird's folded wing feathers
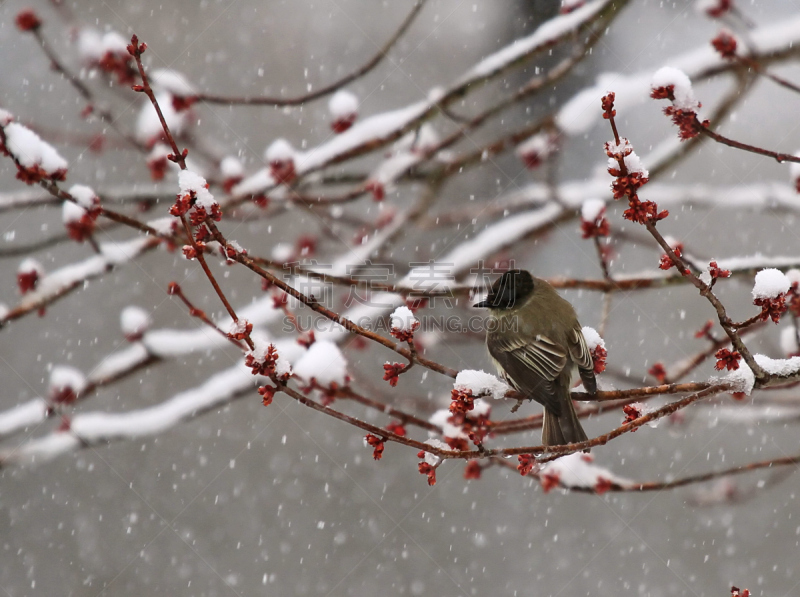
x=579, y=351
x=582, y=357
x=540, y=354
x=532, y=364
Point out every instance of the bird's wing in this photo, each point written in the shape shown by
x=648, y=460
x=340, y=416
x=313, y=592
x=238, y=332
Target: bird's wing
x=582, y=357
x=533, y=365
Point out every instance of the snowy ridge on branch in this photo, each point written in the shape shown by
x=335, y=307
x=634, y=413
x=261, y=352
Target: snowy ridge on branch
x=65, y=278
x=118, y=193
x=342, y=265
x=734, y=264
x=580, y=114
x=743, y=378
x=480, y=383
x=167, y=342
x=780, y=367
x=380, y=127
x=747, y=196
x=31, y=151
x=98, y=427
x=23, y=415
x=490, y=240
x=384, y=127
x=162, y=343
x=546, y=34
x=579, y=470
x=91, y=428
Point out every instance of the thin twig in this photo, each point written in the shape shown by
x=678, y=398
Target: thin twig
x=328, y=89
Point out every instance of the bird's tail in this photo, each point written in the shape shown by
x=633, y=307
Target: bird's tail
x=564, y=428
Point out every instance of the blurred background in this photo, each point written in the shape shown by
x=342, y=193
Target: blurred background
x=283, y=501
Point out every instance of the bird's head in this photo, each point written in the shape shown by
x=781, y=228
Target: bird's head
x=510, y=289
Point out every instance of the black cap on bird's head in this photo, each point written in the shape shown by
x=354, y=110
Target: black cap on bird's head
x=510, y=289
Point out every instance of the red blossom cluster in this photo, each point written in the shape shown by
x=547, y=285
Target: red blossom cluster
x=260, y=200
x=202, y=234
x=473, y=470
x=27, y=20
x=341, y=124
x=231, y=181
x=397, y=428
x=598, y=227
x=462, y=401
x=306, y=339
x=725, y=44
x=280, y=300
x=549, y=480
x=715, y=271
x=377, y=443
x=642, y=212
x=327, y=393
x=283, y=170
x=376, y=188
x=568, y=7
x=526, y=463
x=599, y=356
x=727, y=359
x=772, y=308
x=243, y=331
x=794, y=299
x=230, y=251
x=157, y=164
x=720, y=8
x=182, y=103
x=392, y=371
x=536, y=150
x=426, y=468
x=28, y=279
x=190, y=252
x=306, y=245
x=632, y=412
x=688, y=123
x=602, y=485
x=83, y=227
x=666, y=262
x=265, y=366
x=405, y=335
x=63, y=395
x=120, y=64
x=607, y=103
x=184, y=202
x=476, y=428
x=737, y=592
x=659, y=372
x=627, y=183
x=705, y=331
x=267, y=394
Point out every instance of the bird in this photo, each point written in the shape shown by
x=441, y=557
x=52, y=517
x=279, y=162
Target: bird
x=536, y=343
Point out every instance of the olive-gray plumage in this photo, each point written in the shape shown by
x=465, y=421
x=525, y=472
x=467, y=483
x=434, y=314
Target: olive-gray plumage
x=537, y=344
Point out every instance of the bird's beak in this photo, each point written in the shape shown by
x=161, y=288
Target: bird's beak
x=483, y=304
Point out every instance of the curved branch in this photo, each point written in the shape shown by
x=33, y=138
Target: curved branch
x=328, y=89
